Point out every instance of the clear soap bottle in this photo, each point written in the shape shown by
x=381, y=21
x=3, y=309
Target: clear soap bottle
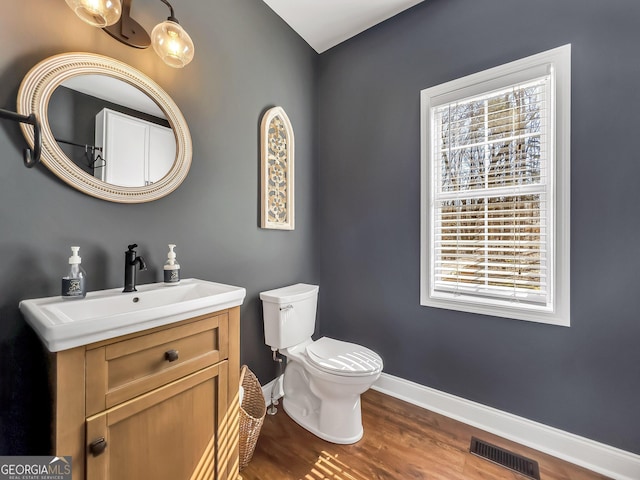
x=74, y=284
x=171, y=268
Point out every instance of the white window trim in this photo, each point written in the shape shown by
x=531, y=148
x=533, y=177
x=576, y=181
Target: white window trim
x=556, y=62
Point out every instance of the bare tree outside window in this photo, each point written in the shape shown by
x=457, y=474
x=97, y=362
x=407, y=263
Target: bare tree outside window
x=489, y=235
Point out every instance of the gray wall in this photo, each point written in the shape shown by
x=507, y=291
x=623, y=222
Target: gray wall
x=246, y=61
x=583, y=379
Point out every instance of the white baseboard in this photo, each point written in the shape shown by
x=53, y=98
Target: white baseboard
x=598, y=457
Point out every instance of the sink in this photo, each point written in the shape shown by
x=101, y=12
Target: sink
x=63, y=324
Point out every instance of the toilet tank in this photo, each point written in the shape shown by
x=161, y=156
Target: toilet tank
x=289, y=314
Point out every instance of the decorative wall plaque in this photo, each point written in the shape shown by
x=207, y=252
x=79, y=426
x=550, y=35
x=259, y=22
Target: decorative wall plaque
x=277, y=161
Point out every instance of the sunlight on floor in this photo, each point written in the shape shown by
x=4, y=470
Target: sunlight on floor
x=328, y=467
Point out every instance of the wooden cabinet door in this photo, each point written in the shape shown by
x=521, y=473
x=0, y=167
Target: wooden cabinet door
x=167, y=434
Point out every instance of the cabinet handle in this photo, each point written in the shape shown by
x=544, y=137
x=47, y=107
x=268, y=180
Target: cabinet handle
x=171, y=355
x=98, y=446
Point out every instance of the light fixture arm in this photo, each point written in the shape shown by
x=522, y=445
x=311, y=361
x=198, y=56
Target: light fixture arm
x=172, y=16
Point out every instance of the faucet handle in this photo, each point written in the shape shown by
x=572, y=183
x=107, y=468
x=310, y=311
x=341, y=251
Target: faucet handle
x=132, y=246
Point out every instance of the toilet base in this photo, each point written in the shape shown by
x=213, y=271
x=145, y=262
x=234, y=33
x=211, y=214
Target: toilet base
x=319, y=404
x=309, y=421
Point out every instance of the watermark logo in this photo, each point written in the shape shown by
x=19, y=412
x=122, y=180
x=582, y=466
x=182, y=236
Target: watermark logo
x=35, y=468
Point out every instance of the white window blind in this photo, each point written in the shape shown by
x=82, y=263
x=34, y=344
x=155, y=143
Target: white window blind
x=491, y=194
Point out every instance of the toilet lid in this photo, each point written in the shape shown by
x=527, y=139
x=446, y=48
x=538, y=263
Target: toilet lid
x=343, y=358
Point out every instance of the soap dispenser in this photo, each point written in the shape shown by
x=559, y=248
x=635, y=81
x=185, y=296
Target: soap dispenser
x=171, y=268
x=74, y=283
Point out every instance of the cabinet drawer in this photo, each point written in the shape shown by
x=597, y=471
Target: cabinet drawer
x=125, y=369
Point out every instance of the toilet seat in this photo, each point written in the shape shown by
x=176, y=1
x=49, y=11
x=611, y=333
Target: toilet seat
x=343, y=358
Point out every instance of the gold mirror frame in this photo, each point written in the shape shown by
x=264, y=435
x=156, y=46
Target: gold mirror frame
x=33, y=97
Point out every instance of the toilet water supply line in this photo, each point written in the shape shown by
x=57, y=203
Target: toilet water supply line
x=272, y=410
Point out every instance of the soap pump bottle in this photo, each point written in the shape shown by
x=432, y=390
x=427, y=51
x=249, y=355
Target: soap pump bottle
x=74, y=283
x=171, y=268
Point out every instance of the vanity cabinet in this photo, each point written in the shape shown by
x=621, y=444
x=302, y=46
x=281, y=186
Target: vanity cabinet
x=159, y=404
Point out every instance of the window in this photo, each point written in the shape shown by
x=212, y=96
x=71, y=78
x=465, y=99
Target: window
x=496, y=192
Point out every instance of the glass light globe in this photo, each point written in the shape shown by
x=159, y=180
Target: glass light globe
x=172, y=44
x=99, y=13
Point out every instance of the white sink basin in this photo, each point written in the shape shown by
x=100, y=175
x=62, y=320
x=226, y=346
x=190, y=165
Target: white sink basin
x=63, y=324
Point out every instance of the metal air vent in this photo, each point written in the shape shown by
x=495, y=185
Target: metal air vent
x=505, y=458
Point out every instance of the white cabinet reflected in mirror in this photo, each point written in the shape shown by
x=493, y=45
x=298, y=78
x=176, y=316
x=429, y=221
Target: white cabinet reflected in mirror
x=108, y=129
x=134, y=152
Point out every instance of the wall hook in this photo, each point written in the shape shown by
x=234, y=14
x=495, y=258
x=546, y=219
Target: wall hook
x=30, y=157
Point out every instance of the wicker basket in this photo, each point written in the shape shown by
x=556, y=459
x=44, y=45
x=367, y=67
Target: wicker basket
x=252, y=412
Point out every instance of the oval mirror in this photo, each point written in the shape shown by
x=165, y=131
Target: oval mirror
x=107, y=129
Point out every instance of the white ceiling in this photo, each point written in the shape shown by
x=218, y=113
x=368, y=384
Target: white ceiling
x=326, y=23
x=114, y=91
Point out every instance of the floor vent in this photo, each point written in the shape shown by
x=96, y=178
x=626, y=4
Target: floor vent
x=505, y=458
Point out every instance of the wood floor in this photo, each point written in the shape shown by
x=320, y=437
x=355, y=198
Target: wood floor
x=401, y=442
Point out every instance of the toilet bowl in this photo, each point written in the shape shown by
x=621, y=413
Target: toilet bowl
x=323, y=379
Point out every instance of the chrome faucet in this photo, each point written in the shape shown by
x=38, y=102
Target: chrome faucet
x=131, y=259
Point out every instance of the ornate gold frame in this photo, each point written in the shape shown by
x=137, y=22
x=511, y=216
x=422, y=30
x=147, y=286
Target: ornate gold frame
x=34, y=95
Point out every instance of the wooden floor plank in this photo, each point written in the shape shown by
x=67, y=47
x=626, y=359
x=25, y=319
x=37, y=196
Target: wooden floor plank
x=401, y=442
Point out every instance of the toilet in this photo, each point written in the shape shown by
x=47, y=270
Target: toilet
x=323, y=379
